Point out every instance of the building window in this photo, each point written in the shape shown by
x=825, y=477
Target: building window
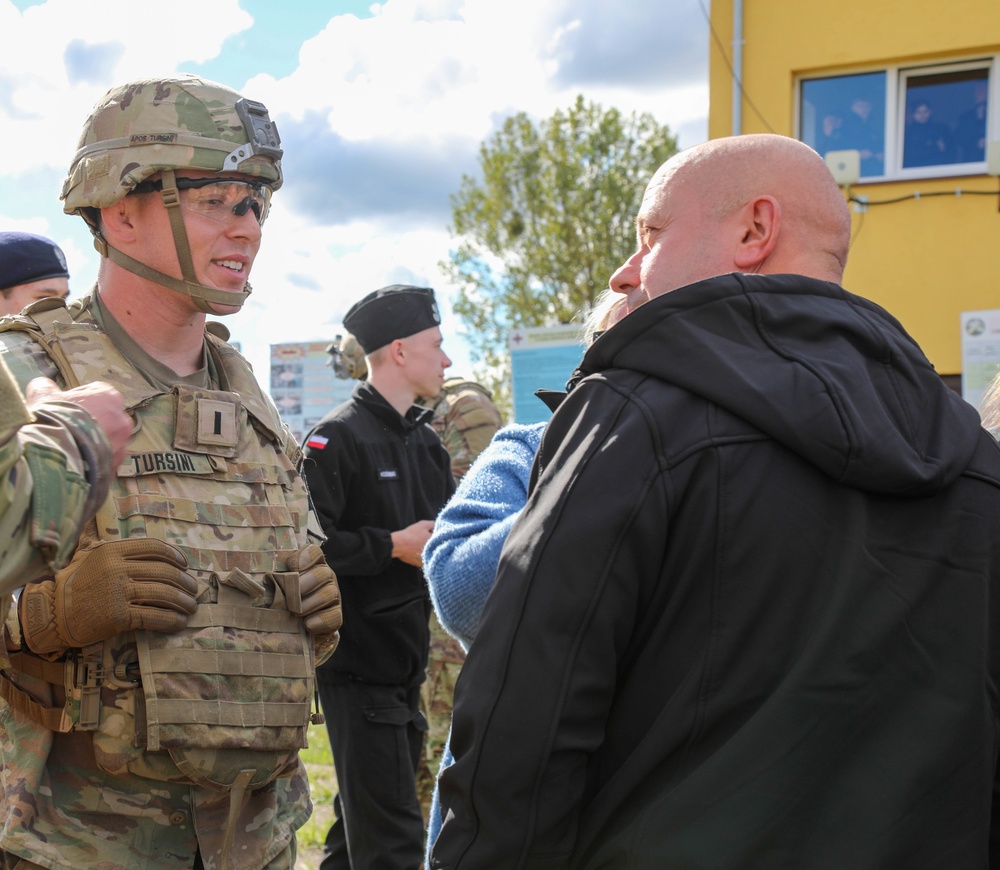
x=945, y=120
x=904, y=121
x=847, y=113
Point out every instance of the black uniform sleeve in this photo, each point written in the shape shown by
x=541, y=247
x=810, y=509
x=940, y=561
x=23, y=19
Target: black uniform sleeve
x=331, y=469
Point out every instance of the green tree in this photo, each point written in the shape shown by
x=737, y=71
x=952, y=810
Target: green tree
x=551, y=218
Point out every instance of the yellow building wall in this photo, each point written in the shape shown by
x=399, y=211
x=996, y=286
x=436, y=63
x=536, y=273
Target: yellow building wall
x=924, y=260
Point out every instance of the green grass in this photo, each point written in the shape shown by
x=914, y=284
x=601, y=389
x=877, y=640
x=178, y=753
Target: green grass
x=319, y=747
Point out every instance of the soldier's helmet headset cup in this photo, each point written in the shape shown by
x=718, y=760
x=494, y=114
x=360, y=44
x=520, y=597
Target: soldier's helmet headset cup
x=165, y=126
x=347, y=358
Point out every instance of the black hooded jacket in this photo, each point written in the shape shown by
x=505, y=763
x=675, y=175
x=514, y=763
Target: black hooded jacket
x=748, y=617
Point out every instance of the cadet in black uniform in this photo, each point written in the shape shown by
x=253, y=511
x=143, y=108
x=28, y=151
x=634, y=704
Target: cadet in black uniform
x=378, y=476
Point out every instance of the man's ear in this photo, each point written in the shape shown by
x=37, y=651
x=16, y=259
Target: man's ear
x=761, y=228
x=117, y=221
x=397, y=351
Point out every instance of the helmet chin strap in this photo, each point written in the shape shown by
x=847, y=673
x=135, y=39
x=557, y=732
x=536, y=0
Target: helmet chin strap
x=199, y=293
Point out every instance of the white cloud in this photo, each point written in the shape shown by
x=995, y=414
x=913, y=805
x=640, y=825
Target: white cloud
x=399, y=102
x=59, y=57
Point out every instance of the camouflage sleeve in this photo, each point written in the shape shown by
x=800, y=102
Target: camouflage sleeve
x=469, y=424
x=51, y=481
x=325, y=646
x=13, y=415
x=313, y=533
x=27, y=359
x=292, y=448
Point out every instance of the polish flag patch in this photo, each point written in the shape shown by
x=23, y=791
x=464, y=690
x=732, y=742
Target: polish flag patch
x=317, y=442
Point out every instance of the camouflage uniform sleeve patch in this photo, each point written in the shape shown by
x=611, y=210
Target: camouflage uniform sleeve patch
x=27, y=359
x=13, y=412
x=43, y=501
x=58, y=502
x=44, y=470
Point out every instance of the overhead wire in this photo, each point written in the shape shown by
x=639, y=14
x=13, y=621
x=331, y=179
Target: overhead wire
x=851, y=198
x=958, y=191
x=864, y=201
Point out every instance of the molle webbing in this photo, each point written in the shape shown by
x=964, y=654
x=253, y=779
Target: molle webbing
x=43, y=315
x=53, y=718
x=255, y=713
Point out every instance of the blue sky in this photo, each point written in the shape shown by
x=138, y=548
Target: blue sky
x=272, y=42
x=381, y=109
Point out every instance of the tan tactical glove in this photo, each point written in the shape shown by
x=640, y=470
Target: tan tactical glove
x=116, y=586
x=318, y=594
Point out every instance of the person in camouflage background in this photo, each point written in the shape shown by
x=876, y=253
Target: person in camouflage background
x=153, y=710
x=465, y=420
x=347, y=359
x=57, y=454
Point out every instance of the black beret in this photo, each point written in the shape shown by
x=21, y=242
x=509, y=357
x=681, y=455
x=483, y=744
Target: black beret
x=25, y=257
x=392, y=312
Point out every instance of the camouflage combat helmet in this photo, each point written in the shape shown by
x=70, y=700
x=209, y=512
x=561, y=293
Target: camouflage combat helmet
x=347, y=358
x=158, y=126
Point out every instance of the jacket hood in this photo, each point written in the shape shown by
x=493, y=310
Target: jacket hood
x=830, y=375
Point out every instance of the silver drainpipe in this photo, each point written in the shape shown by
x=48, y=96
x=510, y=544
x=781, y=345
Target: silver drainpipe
x=737, y=67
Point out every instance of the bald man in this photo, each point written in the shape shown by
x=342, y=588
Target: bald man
x=747, y=616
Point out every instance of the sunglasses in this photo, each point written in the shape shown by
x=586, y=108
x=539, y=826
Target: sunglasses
x=222, y=199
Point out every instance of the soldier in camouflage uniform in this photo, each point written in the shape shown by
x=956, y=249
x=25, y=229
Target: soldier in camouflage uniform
x=153, y=712
x=57, y=453
x=465, y=419
x=347, y=359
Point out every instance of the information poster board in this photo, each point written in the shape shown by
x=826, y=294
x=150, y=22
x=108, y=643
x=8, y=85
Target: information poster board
x=303, y=386
x=980, y=352
x=541, y=357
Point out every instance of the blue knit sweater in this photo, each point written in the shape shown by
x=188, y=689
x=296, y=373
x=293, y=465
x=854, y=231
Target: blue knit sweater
x=461, y=557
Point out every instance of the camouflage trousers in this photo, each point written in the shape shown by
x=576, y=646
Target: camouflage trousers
x=285, y=861
x=436, y=698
